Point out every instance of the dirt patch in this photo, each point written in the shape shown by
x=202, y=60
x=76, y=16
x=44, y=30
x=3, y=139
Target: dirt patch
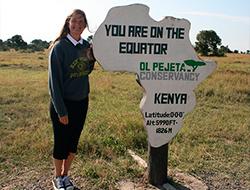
x=34, y=67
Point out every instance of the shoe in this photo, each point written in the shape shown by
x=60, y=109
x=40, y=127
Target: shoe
x=58, y=183
x=67, y=183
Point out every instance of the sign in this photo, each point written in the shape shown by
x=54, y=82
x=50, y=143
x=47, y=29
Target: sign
x=161, y=55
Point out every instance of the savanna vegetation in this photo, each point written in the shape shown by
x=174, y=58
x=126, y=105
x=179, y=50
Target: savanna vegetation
x=213, y=145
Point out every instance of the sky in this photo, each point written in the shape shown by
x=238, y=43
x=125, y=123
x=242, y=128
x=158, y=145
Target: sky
x=43, y=19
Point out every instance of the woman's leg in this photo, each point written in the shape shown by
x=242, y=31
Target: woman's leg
x=77, y=114
x=60, y=150
x=58, y=167
x=67, y=163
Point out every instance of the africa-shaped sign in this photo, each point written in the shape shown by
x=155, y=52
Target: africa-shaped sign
x=161, y=55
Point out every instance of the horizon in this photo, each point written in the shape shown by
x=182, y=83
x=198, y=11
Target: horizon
x=230, y=20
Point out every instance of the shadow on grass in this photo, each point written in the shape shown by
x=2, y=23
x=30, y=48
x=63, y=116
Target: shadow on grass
x=177, y=185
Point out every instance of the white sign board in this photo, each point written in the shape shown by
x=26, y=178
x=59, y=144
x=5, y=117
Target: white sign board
x=161, y=55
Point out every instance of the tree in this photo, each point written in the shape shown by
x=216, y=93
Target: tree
x=3, y=46
x=16, y=42
x=225, y=49
x=90, y=38
x=208, y=42
x=38, y=45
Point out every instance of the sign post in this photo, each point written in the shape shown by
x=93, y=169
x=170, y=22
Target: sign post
x=158, y=165
x=167, y=68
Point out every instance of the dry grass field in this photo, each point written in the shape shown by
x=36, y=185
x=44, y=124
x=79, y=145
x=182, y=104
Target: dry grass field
x=213, y=145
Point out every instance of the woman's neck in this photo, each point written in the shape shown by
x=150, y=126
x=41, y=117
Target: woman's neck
x=76, y=37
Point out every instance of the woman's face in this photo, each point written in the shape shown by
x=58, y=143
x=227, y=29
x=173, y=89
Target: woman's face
x=76, y=25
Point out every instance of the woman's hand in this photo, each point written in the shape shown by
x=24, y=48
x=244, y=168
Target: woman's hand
x=90, y=54
x=64, y=120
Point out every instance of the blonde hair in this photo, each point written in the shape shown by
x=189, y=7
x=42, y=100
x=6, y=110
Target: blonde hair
x=65, y=28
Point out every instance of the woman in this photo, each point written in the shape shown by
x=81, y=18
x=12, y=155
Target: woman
x=71, y=60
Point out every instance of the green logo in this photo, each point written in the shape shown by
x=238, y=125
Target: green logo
x=194, y=64
x=79, y=68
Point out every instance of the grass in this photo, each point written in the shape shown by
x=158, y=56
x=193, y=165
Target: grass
x=213, y=143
